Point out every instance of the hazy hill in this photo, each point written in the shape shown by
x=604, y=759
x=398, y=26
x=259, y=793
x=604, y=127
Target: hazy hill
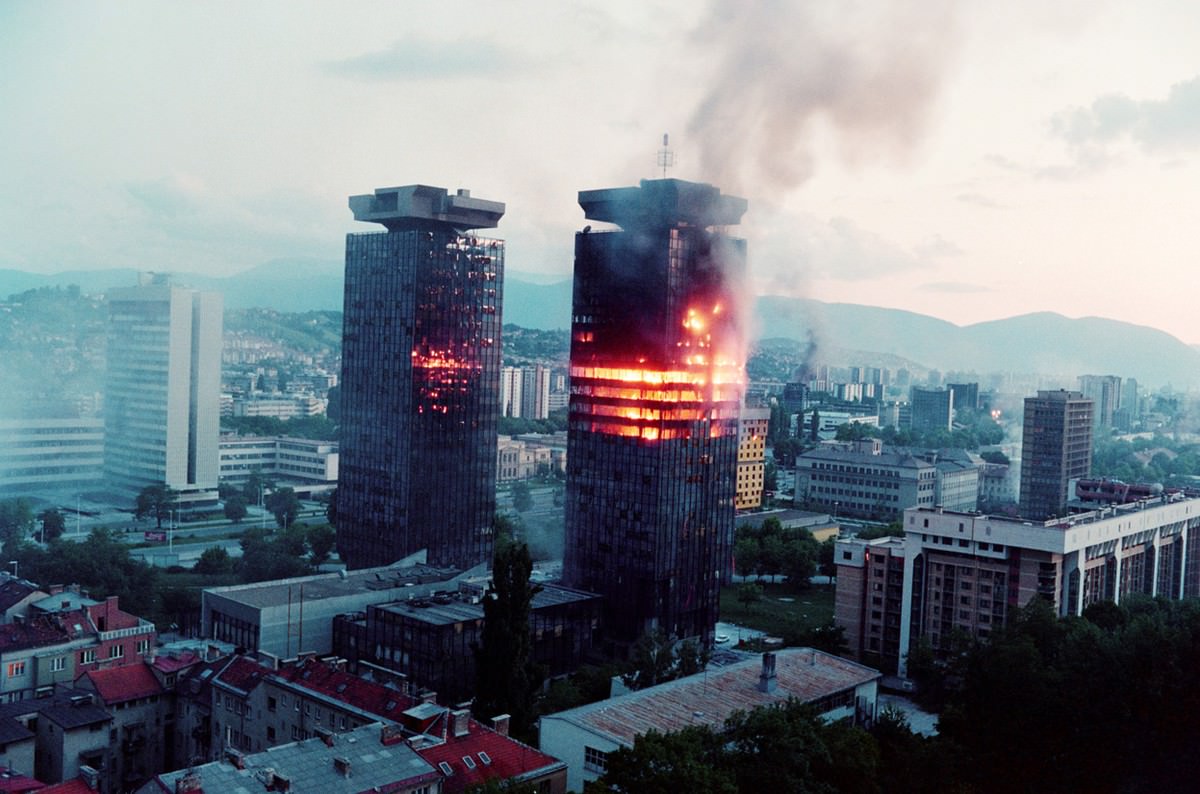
x=1043, y=342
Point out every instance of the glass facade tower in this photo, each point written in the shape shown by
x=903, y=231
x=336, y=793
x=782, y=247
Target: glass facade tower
x=656, y=381
x=420, y=379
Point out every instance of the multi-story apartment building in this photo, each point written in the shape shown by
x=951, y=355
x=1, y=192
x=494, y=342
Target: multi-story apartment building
x=968, y=571
x=51, y=455
x=1056, y=447
x=752, y=455
x=279, y=406
x=656, y=375
x=1105, y=393
x=420, y=379
x=965, y=395
x=162, y=392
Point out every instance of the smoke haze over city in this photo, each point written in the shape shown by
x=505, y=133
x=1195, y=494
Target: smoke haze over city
x=968, y=161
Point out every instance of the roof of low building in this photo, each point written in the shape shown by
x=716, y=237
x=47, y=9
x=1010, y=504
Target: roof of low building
x=710, y=697
x=122, y=684
x=492, y=756
x=312, y=765
x=335, y=585
x=330, y=680
x=13, y=591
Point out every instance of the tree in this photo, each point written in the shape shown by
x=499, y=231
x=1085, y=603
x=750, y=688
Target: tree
x=691, y=760
x=16, y=519
x=53, y=525
x=653, y=661
x=213, y=560
x=507, y=679
x=157, y=501
x=235, y=508
x=814, y=433
x=321, y=540
x=745, y=556
x=284, y=504
x=521, y=496
x=825, y=559
x=331, y=511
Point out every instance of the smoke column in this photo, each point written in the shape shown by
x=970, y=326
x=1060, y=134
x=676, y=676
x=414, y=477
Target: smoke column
x=871, y=70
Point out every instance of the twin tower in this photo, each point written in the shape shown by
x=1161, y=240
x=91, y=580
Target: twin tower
x=656, y=376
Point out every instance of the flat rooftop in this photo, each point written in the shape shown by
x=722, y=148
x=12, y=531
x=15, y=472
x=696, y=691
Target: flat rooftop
x=334, y=585
x=709, y=698
x=456, y=608
x=412, y=206
x=663, y=202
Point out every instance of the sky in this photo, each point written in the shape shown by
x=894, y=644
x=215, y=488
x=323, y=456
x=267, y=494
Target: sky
x=969, y=160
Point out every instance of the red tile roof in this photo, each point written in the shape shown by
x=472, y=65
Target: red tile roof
x=121, y=684
x=75, y=786
x=170, y=664
x=14, y=783
x=242, y=673
x=509, y=758
x=370, y=696
x=30, y=634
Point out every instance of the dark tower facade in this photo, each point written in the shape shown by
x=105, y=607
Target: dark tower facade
x=1056, y=447
x=420, y=379
x=656, y=378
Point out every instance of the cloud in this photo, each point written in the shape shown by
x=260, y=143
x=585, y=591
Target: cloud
x=937, y=247
x=418, y=59
x=978, y=200
x=954, y=287
x=870, y=71
x=1156, y=125
x=790, y=250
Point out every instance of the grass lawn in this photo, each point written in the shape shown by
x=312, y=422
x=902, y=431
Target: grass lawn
x=780, y=607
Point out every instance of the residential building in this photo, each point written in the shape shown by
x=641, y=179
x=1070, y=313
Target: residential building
x=420, y=379
x=932, y=409
x=432, y=640
x=138, y=703
x=656, y=377
x=360, y=761
x=752, y=456
x=162, y=389
x=72, y=736
x=1056, y=447
x=259, y=705
x=966, y=572
x=511, y=383
x=1105, y=392
x=583, y=737
x=51, y=455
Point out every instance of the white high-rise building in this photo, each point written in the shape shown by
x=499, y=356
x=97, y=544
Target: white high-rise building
x=511, y=381
x=535, y=392
x=163, y=393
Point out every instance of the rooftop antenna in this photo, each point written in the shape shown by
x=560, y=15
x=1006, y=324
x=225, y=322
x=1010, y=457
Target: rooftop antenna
x=666, y=157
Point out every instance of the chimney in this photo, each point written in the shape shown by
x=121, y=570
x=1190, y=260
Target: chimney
x=325, y=734
x=235, y=757
x=90, y=777
x=500, y=724
x=341, y=765
x=766, y=679
x=459, y=720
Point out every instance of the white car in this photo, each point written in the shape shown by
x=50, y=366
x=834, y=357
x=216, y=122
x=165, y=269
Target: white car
x=721, y=639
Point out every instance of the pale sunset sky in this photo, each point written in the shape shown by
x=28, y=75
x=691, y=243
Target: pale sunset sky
x=969, y=160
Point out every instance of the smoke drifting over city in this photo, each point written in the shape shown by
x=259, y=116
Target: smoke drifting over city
x=780, y=69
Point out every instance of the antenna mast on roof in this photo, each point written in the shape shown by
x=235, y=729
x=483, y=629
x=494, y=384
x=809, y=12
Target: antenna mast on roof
x=666, y=157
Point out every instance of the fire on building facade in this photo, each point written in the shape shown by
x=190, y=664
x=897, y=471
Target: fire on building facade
x=656, y=380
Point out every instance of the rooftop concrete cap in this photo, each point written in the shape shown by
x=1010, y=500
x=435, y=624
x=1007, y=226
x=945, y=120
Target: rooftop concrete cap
x=413, y=206
x=663, y=202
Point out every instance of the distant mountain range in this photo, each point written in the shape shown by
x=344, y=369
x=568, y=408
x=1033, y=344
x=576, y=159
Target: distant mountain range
x=1032, y=343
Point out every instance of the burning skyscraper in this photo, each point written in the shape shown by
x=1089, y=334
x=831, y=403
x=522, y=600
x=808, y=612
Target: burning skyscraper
x=420, y=379
x=656, y=379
